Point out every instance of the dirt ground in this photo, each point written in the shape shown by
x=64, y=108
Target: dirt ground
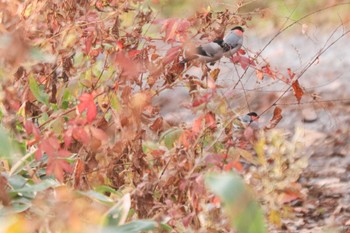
x=323, y=115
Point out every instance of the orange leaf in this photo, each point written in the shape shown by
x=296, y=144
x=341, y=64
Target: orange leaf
x=289, y=196
x=277, y=117
x=78, y=170
x=259, y=74
x=197, y=125
x=186, y=138
x=234, y=164
x=215, y=73
x=298, y=92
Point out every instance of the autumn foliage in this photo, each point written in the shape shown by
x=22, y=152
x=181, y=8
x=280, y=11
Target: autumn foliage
x=79, y=81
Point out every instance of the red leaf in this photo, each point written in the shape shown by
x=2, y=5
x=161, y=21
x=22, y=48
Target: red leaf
x=174, y=28
x=201, y=100
x=172, y=54
x=120, y=45
x=243, y=61
x=210, y=120
x=57, y=167
x=241, y=51
x=298, y=92
x=81, y=135
x=87, y=103
x=290, y=73
x=128, y=67
x=67, y=137
x=134, y=53
x=267, y=70
x=88, y=43
x=31, y=128
x=76, y=130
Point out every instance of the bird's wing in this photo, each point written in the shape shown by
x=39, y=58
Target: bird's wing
x=209, y=50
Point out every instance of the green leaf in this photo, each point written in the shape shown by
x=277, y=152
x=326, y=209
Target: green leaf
x=6, y=146
x=244, y=212
x=39, y=94
x=38, y=55
x=132, y=227
x=21, y=204
x=97, y=196
x=115, y=103
x=170, y=136
x=104, y=188
x=118, y=214
x=166, y=227
x=45, y=184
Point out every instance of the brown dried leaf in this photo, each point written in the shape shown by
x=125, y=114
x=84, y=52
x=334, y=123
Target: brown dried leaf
x=277, y=117
x=157, y=125
x=298, y=92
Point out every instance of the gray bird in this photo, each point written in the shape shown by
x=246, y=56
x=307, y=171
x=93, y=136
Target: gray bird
x=209, y=52
x=250, y=119
x=233, y=41
x=213, y=51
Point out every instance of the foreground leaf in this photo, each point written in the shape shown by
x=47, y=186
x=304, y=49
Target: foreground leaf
x=6, y=146
x=39, y=94
x=132, y=227
x=244, y=212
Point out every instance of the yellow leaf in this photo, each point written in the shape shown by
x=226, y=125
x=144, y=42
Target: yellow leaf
x=214, y=74
x=275, y=218
x=259, y=149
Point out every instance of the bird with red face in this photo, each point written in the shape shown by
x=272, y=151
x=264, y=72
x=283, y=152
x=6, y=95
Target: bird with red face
x=233, y=41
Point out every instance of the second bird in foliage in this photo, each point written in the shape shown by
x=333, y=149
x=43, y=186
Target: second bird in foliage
x=213, y=51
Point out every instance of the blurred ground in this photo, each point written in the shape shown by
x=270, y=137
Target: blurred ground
x=323, y=114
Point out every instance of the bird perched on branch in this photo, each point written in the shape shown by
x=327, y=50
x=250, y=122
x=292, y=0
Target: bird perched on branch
x=250, y=119
x=233, y=41
x=245, y=129
x=213, y=51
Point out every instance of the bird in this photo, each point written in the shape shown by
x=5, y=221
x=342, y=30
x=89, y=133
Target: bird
x=215, y=50
x=250, y=119
x=207, y=53
x=245, y=127
x=233, y=41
